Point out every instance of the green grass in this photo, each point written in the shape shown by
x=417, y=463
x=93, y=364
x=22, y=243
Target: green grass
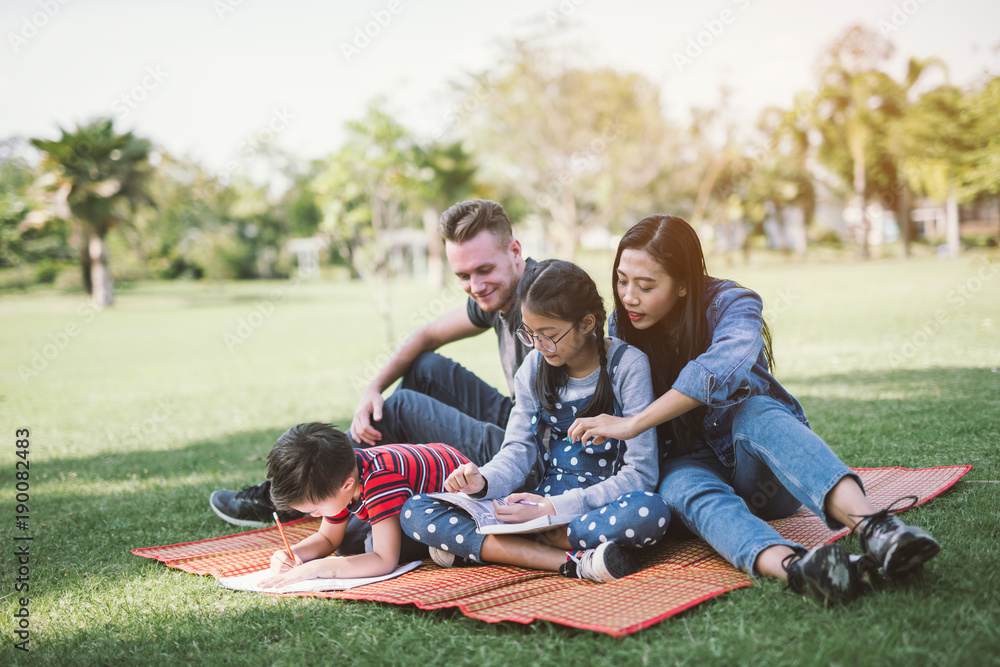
x=148, y=407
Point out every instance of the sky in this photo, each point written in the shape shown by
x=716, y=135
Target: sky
x=209, y=78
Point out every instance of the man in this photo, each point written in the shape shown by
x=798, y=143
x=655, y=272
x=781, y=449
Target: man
x=438, y=400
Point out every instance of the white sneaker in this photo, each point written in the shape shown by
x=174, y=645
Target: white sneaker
x=447, y=559
x=608, y=562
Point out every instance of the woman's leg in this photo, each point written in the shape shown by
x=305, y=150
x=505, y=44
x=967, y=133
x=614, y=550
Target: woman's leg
x=780, y=462
x=696, y=488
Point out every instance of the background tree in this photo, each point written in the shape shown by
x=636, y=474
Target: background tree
x=368, y=191
x=94, y=177
x=581, y=146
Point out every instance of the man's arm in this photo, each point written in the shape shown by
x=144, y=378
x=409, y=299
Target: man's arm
x=453, y=325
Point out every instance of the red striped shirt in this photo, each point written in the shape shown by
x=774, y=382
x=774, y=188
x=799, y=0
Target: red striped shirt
x=390, y=474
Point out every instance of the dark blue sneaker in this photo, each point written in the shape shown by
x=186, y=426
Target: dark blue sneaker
x=825, y=573
x=251, y=506
x=894, y=546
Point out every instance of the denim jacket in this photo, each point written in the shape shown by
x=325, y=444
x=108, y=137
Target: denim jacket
x=733, y=368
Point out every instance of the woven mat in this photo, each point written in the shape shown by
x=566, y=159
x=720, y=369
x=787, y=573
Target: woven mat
x=675, y=575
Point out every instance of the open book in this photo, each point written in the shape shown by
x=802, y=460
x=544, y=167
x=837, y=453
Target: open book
x=487, y=523
x=251, y=582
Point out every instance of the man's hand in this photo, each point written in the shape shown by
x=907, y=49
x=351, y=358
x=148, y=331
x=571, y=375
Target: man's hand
x=369, y=409
x=465, y=479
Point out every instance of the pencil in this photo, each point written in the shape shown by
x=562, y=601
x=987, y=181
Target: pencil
x=284, y=539
x=529, y=502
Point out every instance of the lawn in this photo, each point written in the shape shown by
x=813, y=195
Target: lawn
x=136, y=414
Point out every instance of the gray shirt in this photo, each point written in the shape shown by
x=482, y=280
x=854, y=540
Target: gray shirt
x=510, y=467
x=512, y=351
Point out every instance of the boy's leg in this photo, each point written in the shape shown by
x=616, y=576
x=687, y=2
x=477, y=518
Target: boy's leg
x=635, y=520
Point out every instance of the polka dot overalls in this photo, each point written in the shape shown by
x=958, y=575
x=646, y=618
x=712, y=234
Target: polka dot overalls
x=635, y=519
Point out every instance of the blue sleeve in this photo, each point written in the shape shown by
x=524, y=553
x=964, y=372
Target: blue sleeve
x=720, y=376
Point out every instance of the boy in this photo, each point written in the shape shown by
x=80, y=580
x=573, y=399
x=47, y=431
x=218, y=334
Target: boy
x=315, y=469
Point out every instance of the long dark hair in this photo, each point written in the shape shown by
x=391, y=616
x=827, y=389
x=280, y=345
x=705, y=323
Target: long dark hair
x=563, y=291
x=683, y=334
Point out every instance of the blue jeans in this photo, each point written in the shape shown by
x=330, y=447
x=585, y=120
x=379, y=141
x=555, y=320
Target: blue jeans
x=437, y=400
x=780, y=465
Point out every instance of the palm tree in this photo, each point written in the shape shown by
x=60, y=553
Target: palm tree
x=94, y=177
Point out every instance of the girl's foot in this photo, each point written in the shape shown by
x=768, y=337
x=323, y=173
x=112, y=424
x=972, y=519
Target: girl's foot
x=606, y=563
x=447, y=559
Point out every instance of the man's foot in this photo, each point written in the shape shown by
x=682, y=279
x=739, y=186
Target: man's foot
x=825, y=572
x=608, y=562
x=447, y=559
x=893, y=545
x=250, y=507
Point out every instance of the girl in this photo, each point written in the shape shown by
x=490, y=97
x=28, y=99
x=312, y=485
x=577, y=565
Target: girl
x=574, y=371
x=739, y=450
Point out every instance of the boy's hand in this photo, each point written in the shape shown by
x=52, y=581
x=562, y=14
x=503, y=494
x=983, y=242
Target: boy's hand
x=299, y=573
x=280, y=562
x=465, y=479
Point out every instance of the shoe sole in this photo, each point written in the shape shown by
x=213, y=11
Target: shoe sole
x=817, y=565
x=233, y=520
x=909, y=553
x=617, y=562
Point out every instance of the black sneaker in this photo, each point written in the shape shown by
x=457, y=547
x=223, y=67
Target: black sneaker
x=250, y=507
x=893, y=545
x=825, y=572
x=606, y=563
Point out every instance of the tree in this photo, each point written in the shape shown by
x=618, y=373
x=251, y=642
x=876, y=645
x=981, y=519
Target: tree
x=368, y=191
x=94, y=177
x=850, y=112
x=582, y=146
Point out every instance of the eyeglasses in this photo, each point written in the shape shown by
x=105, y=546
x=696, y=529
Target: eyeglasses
x=547, y=343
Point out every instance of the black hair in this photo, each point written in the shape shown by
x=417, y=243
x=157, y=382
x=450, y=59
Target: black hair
x=309, y=463
x=683, y=334
x=563, y=291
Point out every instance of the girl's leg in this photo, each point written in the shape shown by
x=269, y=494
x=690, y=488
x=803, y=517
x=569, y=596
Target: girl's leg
x=441, y=526
x=635, y=520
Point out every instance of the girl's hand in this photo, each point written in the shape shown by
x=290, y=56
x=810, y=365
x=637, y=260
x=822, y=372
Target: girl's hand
x=516, y=512
x=465, y=479
x=602, y=428
x=280, y=562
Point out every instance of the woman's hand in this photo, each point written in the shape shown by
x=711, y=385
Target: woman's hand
x=518, y=510
x=602, y=428
x=465, y=479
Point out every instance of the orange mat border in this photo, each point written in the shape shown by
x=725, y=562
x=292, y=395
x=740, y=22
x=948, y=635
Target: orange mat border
x=676, y=575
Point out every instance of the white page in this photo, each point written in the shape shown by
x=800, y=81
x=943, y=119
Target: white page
x=250, y=582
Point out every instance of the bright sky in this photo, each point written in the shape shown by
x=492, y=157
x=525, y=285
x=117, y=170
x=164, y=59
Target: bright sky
x=202, y=76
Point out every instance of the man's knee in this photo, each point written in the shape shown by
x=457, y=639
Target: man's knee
x=426, y=366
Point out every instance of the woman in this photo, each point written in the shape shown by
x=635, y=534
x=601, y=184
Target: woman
x=737, y=448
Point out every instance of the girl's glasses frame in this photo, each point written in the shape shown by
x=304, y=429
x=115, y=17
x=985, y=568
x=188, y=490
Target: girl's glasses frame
x=546, y=342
